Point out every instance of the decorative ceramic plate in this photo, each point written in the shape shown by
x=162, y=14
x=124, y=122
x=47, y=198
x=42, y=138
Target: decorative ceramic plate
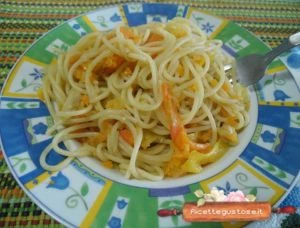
x=265, y=163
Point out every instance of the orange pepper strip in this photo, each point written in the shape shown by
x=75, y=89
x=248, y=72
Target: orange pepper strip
x=113, y=61
x=177, y=130
x=154, y=37
x=84, y=100
x=102, y=136
x=232, y=121
x=226, y=87
x=128, y=34
x=108, y=164
x=127, y=136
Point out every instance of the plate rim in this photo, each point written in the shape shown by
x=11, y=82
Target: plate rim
x=121, y=4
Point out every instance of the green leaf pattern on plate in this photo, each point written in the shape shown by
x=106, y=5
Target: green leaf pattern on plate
x=296, y=120
x=268, y=82
x=21, y=105
x=276, y=81
x=198, y=19
x=253, y=191
x=78, y=195
x=101, y=21
x=73, y=199
x=22, y=167
x=179, y=12
x=257, y=133
x=84, y=189
x=242, y=179
x=25, y=84
x=20, y=163
x=270, y=168
x=281, y=174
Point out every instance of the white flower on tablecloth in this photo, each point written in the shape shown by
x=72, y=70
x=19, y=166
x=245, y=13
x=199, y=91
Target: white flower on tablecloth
x=216, y=195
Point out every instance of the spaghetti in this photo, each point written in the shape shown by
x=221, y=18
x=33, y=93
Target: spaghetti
x=152, y=101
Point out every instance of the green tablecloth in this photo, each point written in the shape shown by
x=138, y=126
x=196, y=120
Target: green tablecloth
x=24, y=21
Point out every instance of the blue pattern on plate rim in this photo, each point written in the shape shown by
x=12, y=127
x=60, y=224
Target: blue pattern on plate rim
x=121, y=204
x=293, y=60
x=227, y=189
x=280, y=95
x=162, y=192
x=207, y=27
x=114, y=222
x=15, y=143
x=11, y=126
x=280, y=161
x=62, y=182
x=115, y=18
x=267, y=136
x=40, y=128
x=138, y=17
x=77, y=27
x=59, y=181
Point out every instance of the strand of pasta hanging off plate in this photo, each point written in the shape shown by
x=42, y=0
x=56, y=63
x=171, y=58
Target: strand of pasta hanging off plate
x=151, y=101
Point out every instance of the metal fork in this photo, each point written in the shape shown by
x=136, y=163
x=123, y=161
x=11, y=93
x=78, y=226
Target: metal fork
x=250, y=69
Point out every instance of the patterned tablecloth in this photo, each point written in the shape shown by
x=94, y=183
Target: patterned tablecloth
x=24, y=21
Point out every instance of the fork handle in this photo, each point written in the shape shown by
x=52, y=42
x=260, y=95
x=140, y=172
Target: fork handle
x=287, y=44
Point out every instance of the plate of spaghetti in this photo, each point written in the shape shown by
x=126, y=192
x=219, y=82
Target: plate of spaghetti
x=131, y=103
